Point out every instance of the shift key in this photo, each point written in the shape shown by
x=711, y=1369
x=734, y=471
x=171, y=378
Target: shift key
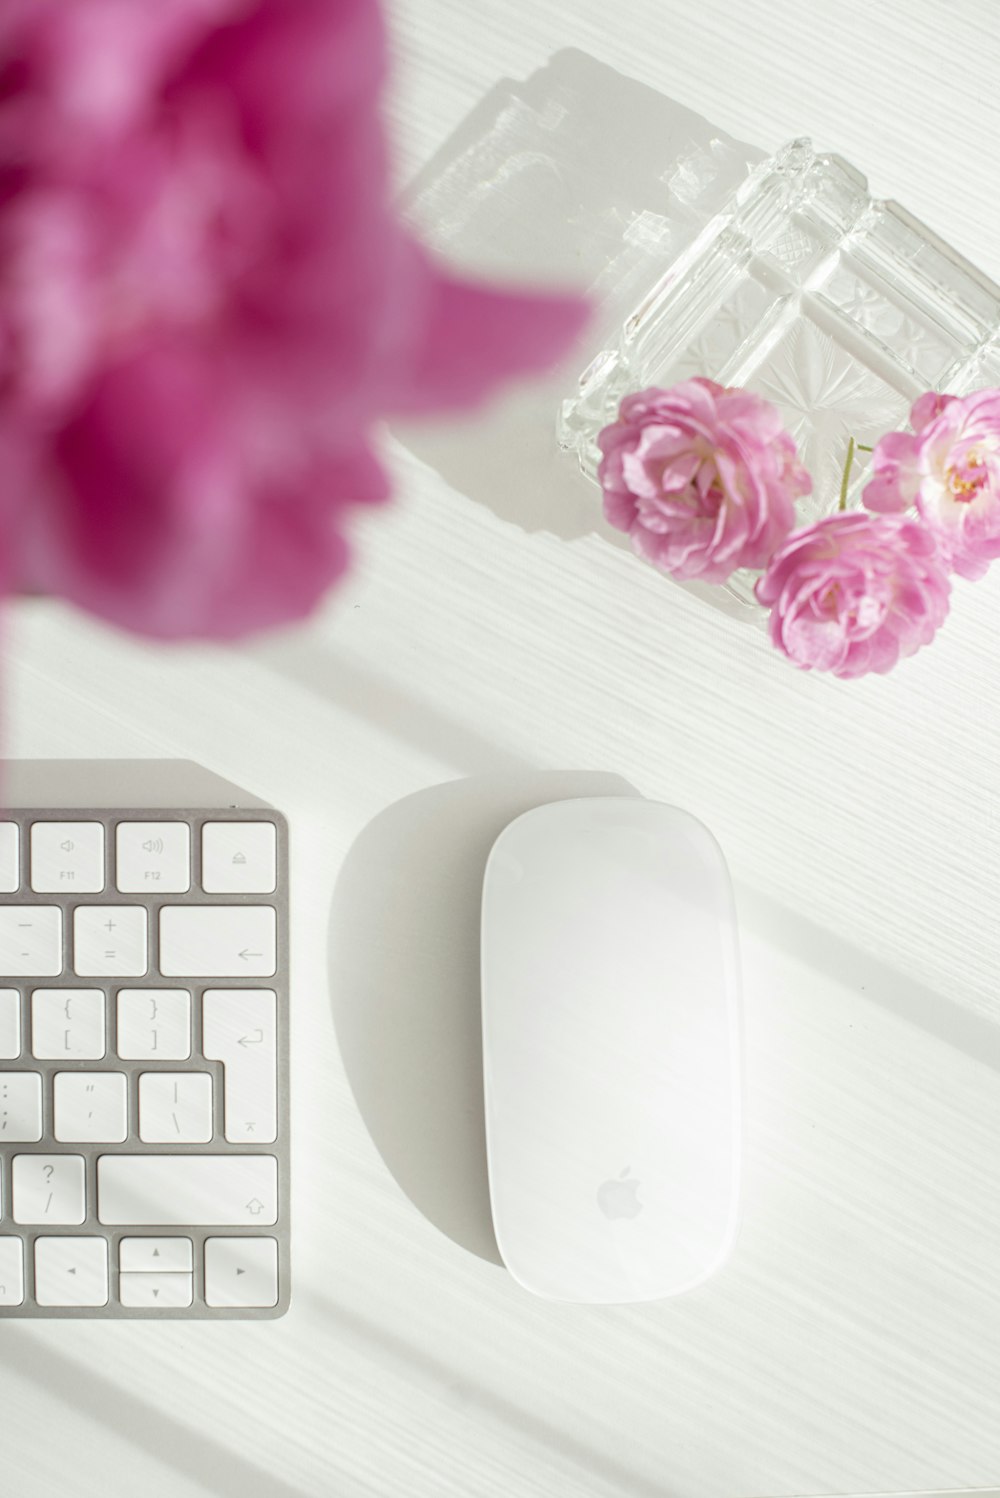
x=187, y=1190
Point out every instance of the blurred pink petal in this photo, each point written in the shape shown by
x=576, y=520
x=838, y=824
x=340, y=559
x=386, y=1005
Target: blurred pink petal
x=161, y=509
x=207, y=304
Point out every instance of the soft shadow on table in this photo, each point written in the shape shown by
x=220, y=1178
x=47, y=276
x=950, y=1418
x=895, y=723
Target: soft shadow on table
x=579, y=177
x=404, y=980
x=107, y=1402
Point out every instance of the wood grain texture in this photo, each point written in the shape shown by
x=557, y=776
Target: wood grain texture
x=853, y=1343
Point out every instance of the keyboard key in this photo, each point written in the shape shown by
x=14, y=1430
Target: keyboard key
x=175, y=1107
x=187, y=1190
x=10, y=1023
x=241, y=1272
x=239, y=858
x=67, y=1024
x=240, y=1030
x=20, y=1107
x=30, y=941
x=11, y=1272
x=109, y=941
x=152, y=1290
x=90, y=1106
x=156, y=1255
x=9, y=862
x=71, y=1271
x=48, y=1188
x=153, y=857
x=154, y=1024
x=67, y=856
x=218, y=941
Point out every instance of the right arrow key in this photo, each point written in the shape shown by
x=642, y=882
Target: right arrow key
x=241, y=1272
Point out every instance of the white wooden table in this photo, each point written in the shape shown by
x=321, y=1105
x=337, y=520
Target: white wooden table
x=853, y=1343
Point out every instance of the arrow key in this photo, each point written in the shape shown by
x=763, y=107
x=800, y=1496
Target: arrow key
x=241, y=1272
x=155, y=1255
x=71, y=1271
x=150, y=1291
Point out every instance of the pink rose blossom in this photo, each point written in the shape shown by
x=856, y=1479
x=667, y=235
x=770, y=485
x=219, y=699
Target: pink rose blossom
x=949, y=467
x=207, y=302
x=703, y=479
x=854, y=593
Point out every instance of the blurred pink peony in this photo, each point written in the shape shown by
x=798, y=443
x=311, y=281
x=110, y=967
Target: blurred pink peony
x=206, y=302
x=855, y=592
x=949, y=467
x=703, y=479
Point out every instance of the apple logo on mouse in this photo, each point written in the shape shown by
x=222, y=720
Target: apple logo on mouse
x=618, y=1198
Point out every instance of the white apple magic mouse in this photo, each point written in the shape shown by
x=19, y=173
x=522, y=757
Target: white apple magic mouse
x=611, y=1050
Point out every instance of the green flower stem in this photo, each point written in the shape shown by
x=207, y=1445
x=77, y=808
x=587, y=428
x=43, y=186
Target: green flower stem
x=847, y=475
x=852, y=448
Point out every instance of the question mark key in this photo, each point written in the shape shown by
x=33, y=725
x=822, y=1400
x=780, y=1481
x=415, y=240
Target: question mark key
x=48, y=1189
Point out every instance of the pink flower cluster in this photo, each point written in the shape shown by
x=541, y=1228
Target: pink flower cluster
x=704, y=480
x=207, y=304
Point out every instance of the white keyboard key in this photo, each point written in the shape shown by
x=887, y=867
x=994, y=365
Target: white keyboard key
x=240, y=1030
x=154, y=1024
x=153, y=858
x=71, y=1271
x=239, y=858
x=155, y=1255
x=67, y=1024
x=10, y=1023
x=218, y=941
x=175, y=1107
x=152, y=1290
x=10, y=871
x=20, y=1107
x=11, y=1272
x=241, y=1272
x=67, y=856
x=109, y=941
x=90, y=1106
x=48, y=1188
x=30, y=941
x=187, y=1190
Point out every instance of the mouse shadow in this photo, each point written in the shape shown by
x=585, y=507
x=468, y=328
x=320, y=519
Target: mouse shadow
x=577, y=177
x=404, y=980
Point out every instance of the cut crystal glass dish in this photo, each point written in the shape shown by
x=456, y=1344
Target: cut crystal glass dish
x=838, y=307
